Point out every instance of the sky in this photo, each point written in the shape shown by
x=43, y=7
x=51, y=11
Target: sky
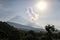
x=25, y=12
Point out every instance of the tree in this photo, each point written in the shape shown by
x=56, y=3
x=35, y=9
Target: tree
x=8, y=32
x=50, y=29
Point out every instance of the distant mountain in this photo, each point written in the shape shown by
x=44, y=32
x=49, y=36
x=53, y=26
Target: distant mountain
x=25, y=27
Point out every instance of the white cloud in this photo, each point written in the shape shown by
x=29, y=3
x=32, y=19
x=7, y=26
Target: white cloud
x=34, y=16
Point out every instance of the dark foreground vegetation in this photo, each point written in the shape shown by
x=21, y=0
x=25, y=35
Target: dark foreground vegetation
x=8, y=32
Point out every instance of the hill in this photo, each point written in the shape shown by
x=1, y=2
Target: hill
x=25, y=27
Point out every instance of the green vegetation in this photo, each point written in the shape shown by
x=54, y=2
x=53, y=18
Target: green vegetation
x=8, y=32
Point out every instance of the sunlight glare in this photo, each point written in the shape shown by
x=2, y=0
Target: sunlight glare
x=41, y=5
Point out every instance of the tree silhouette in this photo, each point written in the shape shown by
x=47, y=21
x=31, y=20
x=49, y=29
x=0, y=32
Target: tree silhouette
x=50, y=29
x=8, y=32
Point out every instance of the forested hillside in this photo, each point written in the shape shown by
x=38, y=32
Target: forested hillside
x=8, y=32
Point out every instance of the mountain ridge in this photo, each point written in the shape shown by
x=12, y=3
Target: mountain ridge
x=26, y=27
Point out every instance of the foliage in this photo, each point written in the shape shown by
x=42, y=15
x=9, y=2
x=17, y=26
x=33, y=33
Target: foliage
x=8, y=32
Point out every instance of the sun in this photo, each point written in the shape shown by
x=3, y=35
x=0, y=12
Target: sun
x=41, y=5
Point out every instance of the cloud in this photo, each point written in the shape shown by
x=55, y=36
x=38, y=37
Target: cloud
x=34, y=16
